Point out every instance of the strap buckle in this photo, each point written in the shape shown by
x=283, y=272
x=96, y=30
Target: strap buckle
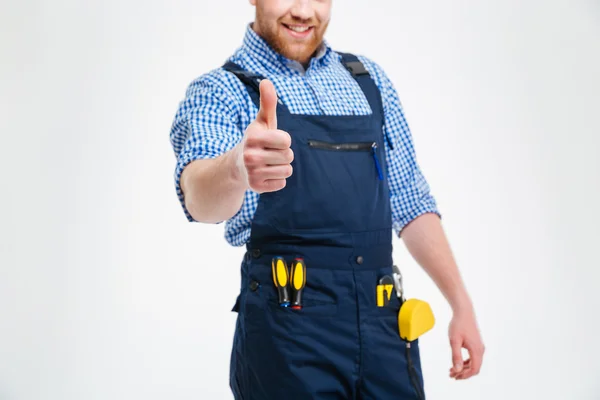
x=356, y=68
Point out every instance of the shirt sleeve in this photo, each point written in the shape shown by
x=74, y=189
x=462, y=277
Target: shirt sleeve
x=205, y=126
x=410, y=193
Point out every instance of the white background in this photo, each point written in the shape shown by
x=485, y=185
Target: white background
x=107, y=292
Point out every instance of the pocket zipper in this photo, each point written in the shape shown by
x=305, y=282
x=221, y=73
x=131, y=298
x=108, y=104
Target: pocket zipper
x=361, y=146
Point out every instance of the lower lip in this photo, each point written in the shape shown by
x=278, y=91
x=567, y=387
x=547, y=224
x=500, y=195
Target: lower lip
x=299, y=35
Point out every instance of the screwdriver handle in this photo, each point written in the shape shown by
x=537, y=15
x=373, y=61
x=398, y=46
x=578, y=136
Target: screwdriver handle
x=384, y=290
x=281, y=280
x=380, y=296
x=297, y=281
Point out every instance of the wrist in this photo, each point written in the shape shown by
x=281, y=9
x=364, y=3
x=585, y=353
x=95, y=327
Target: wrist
x=461, y=305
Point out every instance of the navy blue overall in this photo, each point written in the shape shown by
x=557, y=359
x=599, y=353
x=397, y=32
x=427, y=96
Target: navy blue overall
x=335, y=213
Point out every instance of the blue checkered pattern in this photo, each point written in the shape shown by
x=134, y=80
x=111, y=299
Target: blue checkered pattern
x=217, y=109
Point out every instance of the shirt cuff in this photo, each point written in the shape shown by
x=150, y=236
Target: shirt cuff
x=426, y=205
x=182, y=162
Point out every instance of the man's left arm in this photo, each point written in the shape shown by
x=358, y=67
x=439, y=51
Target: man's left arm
x=417, y=220
x=426, y=241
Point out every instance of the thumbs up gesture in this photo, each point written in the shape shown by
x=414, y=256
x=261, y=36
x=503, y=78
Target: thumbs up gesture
x=264, y=155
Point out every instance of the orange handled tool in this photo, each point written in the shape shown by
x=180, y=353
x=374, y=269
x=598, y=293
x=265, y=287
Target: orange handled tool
x=297, y=282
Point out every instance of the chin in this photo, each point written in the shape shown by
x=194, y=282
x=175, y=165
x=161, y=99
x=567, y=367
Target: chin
x=291, y=49
x=301, y=54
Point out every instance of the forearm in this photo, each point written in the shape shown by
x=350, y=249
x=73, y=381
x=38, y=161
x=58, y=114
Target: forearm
x=213, y=188
x=426, y=241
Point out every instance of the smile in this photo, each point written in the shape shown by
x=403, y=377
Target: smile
x=298, y=31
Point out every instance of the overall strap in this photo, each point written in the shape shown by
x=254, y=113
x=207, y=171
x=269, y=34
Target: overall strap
x=365, y=81
x=251, y=81
x=248, y=78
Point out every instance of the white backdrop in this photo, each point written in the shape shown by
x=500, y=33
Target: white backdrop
x=107, y=292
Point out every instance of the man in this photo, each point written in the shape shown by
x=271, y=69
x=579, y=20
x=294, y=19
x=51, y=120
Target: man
x=306, y=153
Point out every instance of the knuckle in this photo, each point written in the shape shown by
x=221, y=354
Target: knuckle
x=251, y=158
x=290, y=156
x=256, y=137
x=248, y=158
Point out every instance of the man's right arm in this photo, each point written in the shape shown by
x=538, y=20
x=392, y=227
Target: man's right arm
x=206, y=127
x=213, y=189
x=211, y=185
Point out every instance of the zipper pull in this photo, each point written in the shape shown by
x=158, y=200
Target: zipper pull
x=374, y=148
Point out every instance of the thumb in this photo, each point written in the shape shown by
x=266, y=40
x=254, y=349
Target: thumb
x=267, y=114
x=457, y=360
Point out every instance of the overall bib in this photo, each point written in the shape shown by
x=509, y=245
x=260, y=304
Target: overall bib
x=335, y=213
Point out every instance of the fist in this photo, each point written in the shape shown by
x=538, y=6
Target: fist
x=265, y=156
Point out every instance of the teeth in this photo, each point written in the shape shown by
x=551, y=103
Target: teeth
x=299, y=29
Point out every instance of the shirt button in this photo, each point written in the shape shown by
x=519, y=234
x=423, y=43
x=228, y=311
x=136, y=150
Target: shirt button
x=256, y=253
x=359, y=259
x=254, y=285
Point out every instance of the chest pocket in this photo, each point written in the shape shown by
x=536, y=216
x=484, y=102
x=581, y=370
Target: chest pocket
x=338, y=184
x=359, y=146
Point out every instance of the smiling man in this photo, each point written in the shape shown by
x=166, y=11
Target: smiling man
x=305, y=153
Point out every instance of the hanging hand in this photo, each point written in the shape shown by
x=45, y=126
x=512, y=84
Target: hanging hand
x=464, y=333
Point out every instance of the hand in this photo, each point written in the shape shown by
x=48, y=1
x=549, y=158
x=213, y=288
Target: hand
x=463, y=332
x=264, y=156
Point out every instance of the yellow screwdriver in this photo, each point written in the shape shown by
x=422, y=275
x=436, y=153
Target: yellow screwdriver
x=298, y=281
x=281, y=280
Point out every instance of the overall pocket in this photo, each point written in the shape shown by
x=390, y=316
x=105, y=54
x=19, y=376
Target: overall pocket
x=357, y=146
x=319, y=297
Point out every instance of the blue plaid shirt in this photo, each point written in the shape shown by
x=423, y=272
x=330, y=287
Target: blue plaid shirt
x=216, y=110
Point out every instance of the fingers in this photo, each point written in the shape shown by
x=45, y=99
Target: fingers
x=272, y=185
x=471, y=366
x=267, y=113
x=272, y=172
x=270, y=139
x=262, y=158
x=269, y=178
x=459, y=375
x=475, y=358
x=457, y=360
x=278, y=157
x=269, y=185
